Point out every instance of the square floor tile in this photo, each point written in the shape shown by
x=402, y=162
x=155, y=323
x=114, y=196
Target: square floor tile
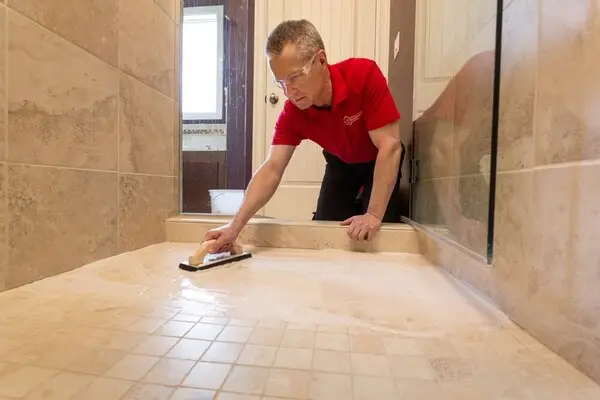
x=248, y=380
x=411, y=367
x=370, y=364
x=288, y=383
x=299, y=338
x=289, y=357
x=258, y=355
x=204, y=331
x=332, y=361
x=402, y=346
x=175, y=328
x=146, y=325
x=207, y=375
x=418, y=389
x=247, y=322
x=367, y=344
x=149, y=391
x=169, y=371
x=266, y=336
x=104, y=389
x=63, y=385
x=17, y=381
x=193, y=394
x=326, y=386
x=132, y=367
x=156, y=345
x=223, y=352
x=189, y=349
x=237, y=334
x=370, y=388
x=332, y=341
x=187, y=318
x=235, y=396
x=332, y=328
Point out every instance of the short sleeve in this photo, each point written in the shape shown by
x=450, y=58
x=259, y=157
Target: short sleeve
x=286, y=131
x=378, y=104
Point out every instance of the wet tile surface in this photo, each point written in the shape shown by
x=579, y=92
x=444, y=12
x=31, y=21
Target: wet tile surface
x=284, y=324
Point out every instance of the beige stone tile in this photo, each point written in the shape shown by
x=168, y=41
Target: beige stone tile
x=175, y=328
x=193, y=394
x=169, y=371
x=248, y=380
x=204, y=331
x=2, y=87
x=568, y=88
x=415, y=389
x=289, y=383
x=517, y=85
x=113, y=340
x=146, y=325
x=247, y=322
x=49, y=212
x=452, y=369
x=207, y=375
x=147, y=44
x=258, y=355
x=156, y=345
x=223, y=352
x=216, y=320
x=132, y=367
x=145, y=202
x=288, y=357
x=85, y=360
x=189, y=349
x=169, y=7
x=367, y=388
x=94, y=31
x=299, y=338
x=370, y=364
x=235, y=396
x=21, y=380
x=103, y=389
x=331, y=328
x=145, y=391
x=410, y=367
x=402, y=346
x=332, y=341
x=235, y=334
x=474, y=193
x=61, y=386
x=368, y=344
x=146, y=126
x=183, y=317
x=332, y=361
x=68, y=121
x=326, y=386
x=266, y=336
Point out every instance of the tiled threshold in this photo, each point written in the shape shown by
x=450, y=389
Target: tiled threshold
x=310, y=235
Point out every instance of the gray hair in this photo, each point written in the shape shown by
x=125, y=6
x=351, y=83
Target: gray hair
x=302, y=33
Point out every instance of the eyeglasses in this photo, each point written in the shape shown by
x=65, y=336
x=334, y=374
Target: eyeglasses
x=295, y=77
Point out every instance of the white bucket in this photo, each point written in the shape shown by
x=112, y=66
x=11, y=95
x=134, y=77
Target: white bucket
x=225, y=201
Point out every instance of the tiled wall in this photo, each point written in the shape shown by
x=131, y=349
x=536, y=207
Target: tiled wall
x=546, y=269
x=88, y=141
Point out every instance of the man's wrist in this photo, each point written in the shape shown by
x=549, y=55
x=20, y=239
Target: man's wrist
x=374, y=214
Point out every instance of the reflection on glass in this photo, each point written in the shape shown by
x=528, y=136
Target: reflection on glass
x=453, y=133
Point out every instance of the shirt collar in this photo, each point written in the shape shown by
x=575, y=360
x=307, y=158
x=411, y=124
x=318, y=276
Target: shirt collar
x=339, y=86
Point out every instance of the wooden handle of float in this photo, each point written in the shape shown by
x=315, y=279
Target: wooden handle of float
x=198, y=257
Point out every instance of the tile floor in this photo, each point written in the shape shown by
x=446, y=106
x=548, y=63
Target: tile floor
x=310, y=325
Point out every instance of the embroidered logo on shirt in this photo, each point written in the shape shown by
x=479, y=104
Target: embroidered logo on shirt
x=353, y=118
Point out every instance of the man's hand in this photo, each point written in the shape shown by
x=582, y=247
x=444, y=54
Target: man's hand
x=224, y=237
x=362, y=227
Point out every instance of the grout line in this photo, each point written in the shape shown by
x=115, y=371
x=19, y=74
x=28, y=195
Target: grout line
x=118, y=249
x=5, y=175
x=88, y=170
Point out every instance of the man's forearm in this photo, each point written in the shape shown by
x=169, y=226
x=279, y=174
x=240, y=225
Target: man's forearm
x=259, y=192
x=387, y=165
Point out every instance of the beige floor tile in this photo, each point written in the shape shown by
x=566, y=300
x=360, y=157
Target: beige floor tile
x=156, y=345
x=132, y=367
x=402, y=346
x=288, y=383
x=189, y=349
x=146, y=325
x=246, y=322
x=183, y=317
x=332, y=341
x=411, y=367
x=271, y=323
x=370, y=364
x=207, y=375
x=18, y=381
x=299, y=338
x=169, y=371
x=327, y=386
x=368, y=344
x=419, y=389
x=266, y=336
x=104, y=389
x=63, y=385
x=303, y=326
x=332, y=328
x=163, y=313
x=235, y=396
x=148, y=391
x=204, y=331
x=193, y=394
x=223, y=352
x=114, y=340
x=289, y=357
x=370, y=388
x=247, y=380
x=175, y=328
x=237, y=334
x=332, y=361
x=95, y=361
x=258, y=355
x=216, y=320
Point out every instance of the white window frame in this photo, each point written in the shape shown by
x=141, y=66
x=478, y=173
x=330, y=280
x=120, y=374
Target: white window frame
x=219, y=12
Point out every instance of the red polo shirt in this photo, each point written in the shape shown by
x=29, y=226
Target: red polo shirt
x=361, y=103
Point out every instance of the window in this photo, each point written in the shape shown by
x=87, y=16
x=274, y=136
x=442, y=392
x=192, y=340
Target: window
x=202, y=63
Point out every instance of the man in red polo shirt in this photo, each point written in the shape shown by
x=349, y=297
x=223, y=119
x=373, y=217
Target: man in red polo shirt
x=348, y=110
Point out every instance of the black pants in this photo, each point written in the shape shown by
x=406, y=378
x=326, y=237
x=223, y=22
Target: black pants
x=340, y=196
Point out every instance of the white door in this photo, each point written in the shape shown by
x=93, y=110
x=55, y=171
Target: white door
x=345, y=35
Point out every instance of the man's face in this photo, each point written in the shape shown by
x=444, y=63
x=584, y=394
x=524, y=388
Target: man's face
x=300, y=79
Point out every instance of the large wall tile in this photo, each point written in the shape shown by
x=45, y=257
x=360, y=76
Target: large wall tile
x=169, y=7
x=145, y=203
x=147, y=124
x=567, y=119
x=2, y=83
x=94, y=31
x=517, y=86
x=59, y=220
x=147, y=44
x=62, y=101
x=3, y=242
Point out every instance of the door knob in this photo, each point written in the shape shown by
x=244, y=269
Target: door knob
x=273, y=98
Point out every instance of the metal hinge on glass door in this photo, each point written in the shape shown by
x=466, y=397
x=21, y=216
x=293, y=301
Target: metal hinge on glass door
x=414, y=170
